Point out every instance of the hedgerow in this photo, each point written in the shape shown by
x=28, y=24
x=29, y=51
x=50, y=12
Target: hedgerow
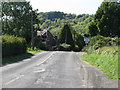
x=99, y=41
x=12, y=45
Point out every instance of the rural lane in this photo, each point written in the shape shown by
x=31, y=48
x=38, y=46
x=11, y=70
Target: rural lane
x=56, y=69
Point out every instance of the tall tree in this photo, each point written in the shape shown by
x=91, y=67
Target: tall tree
x=92, y=29
x=17, y=18
x=107, y=19
x=80, y=41
x=66, y=36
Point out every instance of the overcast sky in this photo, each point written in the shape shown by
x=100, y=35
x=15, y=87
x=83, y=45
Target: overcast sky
x=67, y=6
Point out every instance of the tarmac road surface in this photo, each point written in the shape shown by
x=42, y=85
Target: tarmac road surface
x=56, y=69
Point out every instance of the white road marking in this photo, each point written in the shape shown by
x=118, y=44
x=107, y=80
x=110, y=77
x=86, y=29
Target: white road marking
x=83, y=85
x=41, y=70
x=45, y=59
x=14, y=79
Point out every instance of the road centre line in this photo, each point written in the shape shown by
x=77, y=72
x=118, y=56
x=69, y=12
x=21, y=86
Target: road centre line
x=45, y=59
x=23, y=75
x=38, y=71
x=14, y=79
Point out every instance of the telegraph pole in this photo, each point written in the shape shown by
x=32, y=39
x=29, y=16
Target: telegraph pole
x=74, y=35
x=66, y=37
x=32, y=30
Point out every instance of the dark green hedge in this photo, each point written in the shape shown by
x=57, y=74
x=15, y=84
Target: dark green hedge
x=12, y=45
x=99, y=41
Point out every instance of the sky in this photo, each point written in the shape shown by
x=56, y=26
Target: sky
x=67, y=6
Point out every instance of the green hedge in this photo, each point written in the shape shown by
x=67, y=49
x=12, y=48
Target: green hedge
x=99, y=41
x=12, y=45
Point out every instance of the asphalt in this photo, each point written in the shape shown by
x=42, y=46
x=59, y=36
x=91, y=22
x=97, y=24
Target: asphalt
x=55, y=70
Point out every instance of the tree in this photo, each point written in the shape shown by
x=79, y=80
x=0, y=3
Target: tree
x=17, y=18
x=107, y=19
x=59, y=19
x=66, y=36
x=92, y=29
x=80, y=41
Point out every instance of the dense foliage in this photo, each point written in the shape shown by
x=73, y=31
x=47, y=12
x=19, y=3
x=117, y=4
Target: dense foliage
x=56, y=20
x=56, y=23
x=66, y=36
x=69, y=36
x=12, y=45
x=106, y=20
x=18, y=19
x=99, y=41
x=64, y=47
x=79, y=42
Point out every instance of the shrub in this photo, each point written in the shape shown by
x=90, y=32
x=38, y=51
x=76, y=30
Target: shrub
x=115, y=41
x=99, y=41
x=65, y=47
x=95, y=43
x=37, y=43
x=76, y=49
x=80, y=41
x=96, y=39
x=12, y=45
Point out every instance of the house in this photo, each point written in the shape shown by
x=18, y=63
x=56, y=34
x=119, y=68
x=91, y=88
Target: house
x=47, y=38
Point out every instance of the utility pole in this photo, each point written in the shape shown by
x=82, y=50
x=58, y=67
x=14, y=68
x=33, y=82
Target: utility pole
x=74, y=35
x=32, y=30
x=66, y=37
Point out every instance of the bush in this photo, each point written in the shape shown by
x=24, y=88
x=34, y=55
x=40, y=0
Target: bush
x=37, y=43
x=80, y=41
x=94, y=40
x=95, y=43
x=99, y=41
x=76, y=49
x=115, y=41
x=12, y=45
x=65, y=47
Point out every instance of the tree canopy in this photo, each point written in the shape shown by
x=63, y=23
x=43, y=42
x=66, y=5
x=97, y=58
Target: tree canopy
x=66, y=36
x=56, y=20
x=16, y=19
x=106, y=20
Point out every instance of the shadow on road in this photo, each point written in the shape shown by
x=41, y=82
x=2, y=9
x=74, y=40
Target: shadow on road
x=14, y=59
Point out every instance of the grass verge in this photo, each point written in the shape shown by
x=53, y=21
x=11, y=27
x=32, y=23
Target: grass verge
x=34, y=51
x=106, y=59
x=18, y=58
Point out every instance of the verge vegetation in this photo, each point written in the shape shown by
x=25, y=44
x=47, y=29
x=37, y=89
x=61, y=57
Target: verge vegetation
x=106, y=59
x=103, y=52
x=12, y=45
x=20, y=57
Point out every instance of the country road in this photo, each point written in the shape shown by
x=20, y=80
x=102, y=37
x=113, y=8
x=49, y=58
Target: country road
x=55, y=70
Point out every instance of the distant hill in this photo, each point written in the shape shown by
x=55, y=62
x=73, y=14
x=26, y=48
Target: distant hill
x=56, y=20
x=53, y=15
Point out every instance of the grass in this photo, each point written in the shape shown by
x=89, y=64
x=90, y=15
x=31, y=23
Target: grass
x=21, y=57
x=34, y=51
x=106, y=59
